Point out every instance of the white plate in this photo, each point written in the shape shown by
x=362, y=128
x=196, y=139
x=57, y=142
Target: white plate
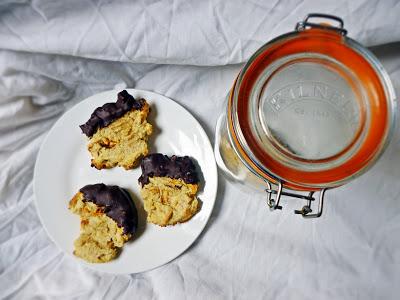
x=63, y=167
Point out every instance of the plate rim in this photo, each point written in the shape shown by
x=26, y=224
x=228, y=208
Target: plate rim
x=92, y=266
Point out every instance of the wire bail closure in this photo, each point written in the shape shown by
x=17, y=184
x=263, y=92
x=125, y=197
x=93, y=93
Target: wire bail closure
x=305, y=211
x=300, y=26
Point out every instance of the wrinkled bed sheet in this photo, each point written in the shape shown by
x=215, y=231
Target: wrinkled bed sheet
x=54, y=54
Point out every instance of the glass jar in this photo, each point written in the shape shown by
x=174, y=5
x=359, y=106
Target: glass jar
x=311, y=110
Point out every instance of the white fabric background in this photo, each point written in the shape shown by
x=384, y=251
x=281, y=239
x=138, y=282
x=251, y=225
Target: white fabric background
x=53, y=54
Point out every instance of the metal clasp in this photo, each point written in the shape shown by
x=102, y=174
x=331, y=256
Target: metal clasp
x=300, y=26
x=305, y=211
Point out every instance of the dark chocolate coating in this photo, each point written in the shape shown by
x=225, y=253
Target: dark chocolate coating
x=116, y=202
x=109, y=112
x=175, y=167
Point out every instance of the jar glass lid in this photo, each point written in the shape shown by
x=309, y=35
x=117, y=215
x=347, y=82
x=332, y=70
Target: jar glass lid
x=312, y=109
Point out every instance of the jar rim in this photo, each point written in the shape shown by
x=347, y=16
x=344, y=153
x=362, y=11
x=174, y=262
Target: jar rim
x=380, y=105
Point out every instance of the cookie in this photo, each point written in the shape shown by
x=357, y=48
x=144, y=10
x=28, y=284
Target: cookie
x=169, y=187
x=118, y=132
x=108, y=220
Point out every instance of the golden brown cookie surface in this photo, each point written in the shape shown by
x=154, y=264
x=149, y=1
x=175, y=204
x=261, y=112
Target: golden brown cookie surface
x=123, y=142
x=169, y=201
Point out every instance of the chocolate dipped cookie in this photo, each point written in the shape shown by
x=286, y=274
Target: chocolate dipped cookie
x=169, y=187
x=118, y=132
x=108, y=220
